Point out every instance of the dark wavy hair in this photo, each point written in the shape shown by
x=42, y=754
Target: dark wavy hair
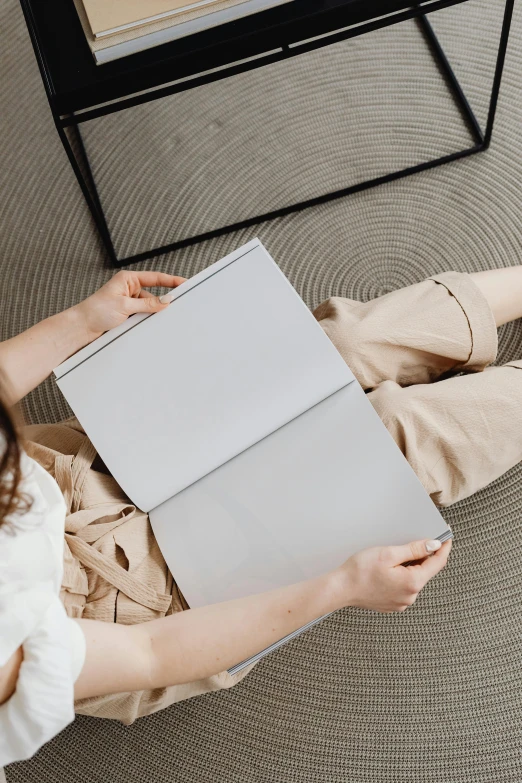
x=12, y=500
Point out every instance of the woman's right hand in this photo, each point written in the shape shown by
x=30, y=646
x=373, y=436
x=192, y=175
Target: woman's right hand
x=192, y=645
x=376, y=578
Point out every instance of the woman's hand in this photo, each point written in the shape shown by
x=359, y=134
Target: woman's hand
x=191, y=645
x=377, y=579
x=122, y=296
x=30, y=357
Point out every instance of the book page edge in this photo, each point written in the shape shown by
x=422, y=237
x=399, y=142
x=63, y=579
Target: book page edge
x=288, y=638
x=108, y=337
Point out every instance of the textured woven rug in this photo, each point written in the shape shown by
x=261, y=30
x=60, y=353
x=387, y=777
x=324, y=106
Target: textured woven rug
x=430, y=696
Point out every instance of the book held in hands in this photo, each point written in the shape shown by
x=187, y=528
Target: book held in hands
x=234, y=422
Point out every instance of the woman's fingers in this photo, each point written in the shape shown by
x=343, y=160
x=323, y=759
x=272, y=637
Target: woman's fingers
x=149, y=279
x=415, y=550
x=144, y=303
x=379, y=579
x=432, y=565
x=131, y=284
x=421, y=573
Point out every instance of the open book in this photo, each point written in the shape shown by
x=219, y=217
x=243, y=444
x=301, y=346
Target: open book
x=232, y=419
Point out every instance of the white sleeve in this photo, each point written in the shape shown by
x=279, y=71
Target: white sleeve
x=43, y=703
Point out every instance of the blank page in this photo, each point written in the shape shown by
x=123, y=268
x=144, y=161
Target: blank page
x=295, y=505
x=176, y=395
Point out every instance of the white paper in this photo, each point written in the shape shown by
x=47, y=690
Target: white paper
x=295, y=505
x=177, y=394
x=109, y=337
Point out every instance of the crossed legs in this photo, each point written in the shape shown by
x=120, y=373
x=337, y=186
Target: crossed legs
x=458, y=432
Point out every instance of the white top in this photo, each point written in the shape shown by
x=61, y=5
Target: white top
x=32, y=615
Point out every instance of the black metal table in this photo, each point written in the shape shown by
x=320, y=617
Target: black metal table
x=78, y=90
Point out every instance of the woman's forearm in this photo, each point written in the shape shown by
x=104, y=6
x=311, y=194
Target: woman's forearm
x=197, y=643
x=27, y=359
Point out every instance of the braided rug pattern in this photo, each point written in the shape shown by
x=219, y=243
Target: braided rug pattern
x=429, y=696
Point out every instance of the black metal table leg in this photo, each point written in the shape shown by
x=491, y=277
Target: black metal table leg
x=82, y=169
x=504, y=37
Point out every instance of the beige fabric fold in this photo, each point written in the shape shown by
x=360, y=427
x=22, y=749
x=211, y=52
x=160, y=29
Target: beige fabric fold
x=458, y=433
x=113, y=568
x=415, y=334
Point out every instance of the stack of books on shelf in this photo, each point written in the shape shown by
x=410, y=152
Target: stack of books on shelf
x=123, y=27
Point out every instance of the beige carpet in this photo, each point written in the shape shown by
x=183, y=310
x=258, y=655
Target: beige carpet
x=430, y=696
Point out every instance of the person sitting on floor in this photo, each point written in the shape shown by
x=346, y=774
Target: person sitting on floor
x=94, y=622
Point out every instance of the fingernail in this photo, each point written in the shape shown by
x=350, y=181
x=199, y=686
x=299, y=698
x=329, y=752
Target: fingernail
x=432, y=546
x=165, y=299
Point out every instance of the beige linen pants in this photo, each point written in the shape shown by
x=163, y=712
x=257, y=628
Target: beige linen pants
x=458, y=434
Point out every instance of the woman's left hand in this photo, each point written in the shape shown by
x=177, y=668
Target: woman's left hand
x=122, y=296
x=30, y=357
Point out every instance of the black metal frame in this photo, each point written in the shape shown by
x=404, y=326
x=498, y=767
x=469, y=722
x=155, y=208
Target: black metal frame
x=80, y=162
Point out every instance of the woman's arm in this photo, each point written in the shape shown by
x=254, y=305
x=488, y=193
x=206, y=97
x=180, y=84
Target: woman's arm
x=197, y=643
x=9, y=675
x=27, y=359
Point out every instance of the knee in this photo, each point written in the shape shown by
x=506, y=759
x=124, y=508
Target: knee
x=403, y=417
x=344, y=322
x=389, y=401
